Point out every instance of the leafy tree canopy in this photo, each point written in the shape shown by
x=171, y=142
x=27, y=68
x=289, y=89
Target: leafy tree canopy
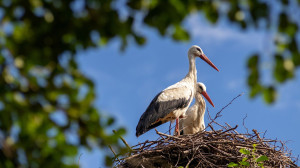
x=40, y=80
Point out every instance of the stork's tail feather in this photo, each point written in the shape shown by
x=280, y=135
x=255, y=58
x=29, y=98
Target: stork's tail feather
x=141, y=128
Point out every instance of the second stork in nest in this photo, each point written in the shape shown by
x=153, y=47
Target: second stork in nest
x=194, y=120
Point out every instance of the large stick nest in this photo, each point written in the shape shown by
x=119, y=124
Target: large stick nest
x=215, y=148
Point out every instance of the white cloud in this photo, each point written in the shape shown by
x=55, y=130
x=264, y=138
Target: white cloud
x=288, y=99
x=235, y=84
x=219, y=32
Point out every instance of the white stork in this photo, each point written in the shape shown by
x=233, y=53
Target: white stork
x=194, y=120
x=173, y=102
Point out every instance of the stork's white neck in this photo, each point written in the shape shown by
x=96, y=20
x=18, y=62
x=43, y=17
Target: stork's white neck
x=201, y=106
x=192, y=74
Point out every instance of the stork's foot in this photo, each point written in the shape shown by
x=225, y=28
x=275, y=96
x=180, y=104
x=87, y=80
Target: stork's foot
x=176, y=133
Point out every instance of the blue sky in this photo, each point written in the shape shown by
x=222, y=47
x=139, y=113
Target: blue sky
x=126, y=82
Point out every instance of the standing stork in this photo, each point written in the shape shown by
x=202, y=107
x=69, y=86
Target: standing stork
x=173, y=102
x=194, y=120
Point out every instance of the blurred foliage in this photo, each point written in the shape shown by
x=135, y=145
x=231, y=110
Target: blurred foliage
x=46, y=102
x=279, y=18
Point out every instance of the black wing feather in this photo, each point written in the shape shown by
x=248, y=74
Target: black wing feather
x=157, y=110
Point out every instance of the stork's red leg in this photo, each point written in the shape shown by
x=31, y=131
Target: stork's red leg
x=177, y=127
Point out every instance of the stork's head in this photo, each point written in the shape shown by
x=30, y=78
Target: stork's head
x=201, y=89
x=196, y=51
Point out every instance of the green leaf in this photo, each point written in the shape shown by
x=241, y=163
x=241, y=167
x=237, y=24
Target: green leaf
x=232, y=164
x=180, y=34
x=253, y=61
x=283, y=22
x=296, y=58
x=253, y=78
x=135, y=4
x=262, y=158
x=269, y=94
x=120, y=131
x=211, y=13
x=279, y=70
x=255, y=90
x=110, y=121
x=2, y=59
x=285, y=2
x=283, y=68
x=244, y=163
x=245, y=151
x=293, y=45
x=108, y=161
x=140, y=40
x=260, y=165
x=292, y=29
x=254, y=149
x=178, y=5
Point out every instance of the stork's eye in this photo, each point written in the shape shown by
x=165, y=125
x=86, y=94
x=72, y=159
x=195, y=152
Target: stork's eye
x=201, y=87
x=199, y=49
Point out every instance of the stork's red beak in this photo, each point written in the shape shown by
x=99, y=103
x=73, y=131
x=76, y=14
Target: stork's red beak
x=204, y=57
x=207, y=98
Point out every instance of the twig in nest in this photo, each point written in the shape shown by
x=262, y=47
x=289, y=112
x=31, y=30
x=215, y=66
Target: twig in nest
x=166, y=135
x=264, y=134
x=116, y=156
x=168, y=130
x=244, y=123
x=219, y=113
x=213, y=121
x=257, y=135
x=231, y=129
x=170, y=127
